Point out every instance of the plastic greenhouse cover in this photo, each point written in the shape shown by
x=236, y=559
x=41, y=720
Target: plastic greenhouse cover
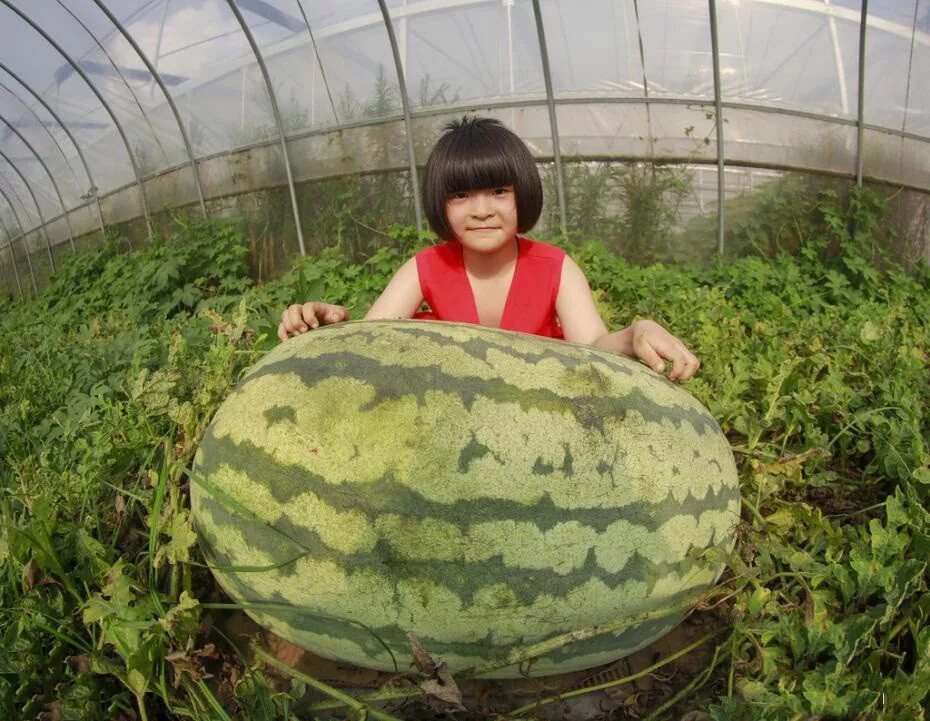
x=331, y=66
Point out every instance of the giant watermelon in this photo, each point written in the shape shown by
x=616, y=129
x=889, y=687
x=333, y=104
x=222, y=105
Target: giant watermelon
x=486, y=490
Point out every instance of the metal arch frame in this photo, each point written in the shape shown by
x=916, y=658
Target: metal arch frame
x=119, y=72
x=718, y=122
x=54, y=140
x=860, y=111
x=61, y=201
x=74, y=142
x=48, y=242
x=106, y=106
x=910, y=67
x=319, y=60
x=405, y=104
x=553, y=121
x=277, y=118
x=642, y=61
x=9, y=235
x=170, y=100
x=22, y=235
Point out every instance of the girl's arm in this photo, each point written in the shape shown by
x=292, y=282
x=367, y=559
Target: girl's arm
x=644, y=339
x=400, y=299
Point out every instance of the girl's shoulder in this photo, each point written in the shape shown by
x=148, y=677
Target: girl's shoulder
x=445, y=249
x=538, y=249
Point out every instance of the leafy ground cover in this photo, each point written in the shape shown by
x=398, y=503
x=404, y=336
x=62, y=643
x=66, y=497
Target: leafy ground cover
x=815, y=364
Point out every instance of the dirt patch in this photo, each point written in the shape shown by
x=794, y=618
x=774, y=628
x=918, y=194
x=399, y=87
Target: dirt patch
x=544, y=698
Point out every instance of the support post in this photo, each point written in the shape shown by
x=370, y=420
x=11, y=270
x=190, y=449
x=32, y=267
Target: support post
x=35, y=201
x=74, y=142
x=860, y=112
x=106, y=106
x=408, y=125
x=553, y=121
x=51, y=177
x=277, y=119
x=171, y=104
x=718, y=112
x=22, y=235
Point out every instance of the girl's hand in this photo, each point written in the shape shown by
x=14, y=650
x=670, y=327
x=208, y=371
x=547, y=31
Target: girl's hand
x=299, y=318
x=654, y=345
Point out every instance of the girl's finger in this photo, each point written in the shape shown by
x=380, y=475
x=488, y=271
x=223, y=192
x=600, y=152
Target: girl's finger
x=647, y=354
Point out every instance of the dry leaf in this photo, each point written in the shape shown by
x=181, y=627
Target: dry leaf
x=443, y=687
x=30, y=574
x=53, y=711
x=79, y=664
x=421, y=659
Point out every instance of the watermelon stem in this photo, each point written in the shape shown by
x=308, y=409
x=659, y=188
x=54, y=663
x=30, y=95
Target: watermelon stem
x=361, y=709
x=608, y=684
x=695, y=684
x=527, y=653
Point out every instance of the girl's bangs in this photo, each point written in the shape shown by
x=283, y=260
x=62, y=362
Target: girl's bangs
x=472, y=170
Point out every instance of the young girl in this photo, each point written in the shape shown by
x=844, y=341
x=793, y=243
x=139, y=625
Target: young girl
x=481, y=189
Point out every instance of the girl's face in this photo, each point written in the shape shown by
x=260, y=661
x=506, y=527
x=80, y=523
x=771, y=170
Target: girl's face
x=483, y=220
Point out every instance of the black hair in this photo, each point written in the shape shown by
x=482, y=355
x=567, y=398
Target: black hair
x=475, y=153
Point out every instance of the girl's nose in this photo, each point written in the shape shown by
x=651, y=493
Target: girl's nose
x=481, y=205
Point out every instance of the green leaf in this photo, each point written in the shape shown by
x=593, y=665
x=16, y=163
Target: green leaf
x=869, y=332
x=137, y=679
x=181, y=537
x=181, y=620
x=758, y=600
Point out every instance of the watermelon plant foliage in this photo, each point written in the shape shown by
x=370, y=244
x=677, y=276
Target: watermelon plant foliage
x=815, y=365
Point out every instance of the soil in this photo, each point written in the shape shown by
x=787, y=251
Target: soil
x=487, y=699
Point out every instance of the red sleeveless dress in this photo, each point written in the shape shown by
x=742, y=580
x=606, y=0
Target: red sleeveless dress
x=530, y=305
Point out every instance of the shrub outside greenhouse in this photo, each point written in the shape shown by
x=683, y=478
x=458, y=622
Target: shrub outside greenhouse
x=752, y=174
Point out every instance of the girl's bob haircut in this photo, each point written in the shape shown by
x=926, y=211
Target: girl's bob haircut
x=476, y=153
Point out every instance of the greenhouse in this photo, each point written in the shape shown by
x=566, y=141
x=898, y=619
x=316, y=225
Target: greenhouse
x=202, y=517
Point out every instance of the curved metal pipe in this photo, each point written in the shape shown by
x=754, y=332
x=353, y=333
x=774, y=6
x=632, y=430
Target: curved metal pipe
x=106, y=106
x=9, y=235
x=553, y=121
x=171, y=104
x=22, y=235
x=405, y=103
x=74, y=142
x=860, y=111
x=718, y=122
x=51, y=136
x=910, y=67
x=277, y=119
x=48, y=242
x=119, y=73
x=319, y=61
x=61, y=201
x=642, y=62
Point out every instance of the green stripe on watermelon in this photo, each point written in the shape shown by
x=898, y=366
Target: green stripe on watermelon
x=346, y=640
x=280, y=484
x=336, y=417
x=612, y=557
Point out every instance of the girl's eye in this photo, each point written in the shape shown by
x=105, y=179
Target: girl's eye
x=458, y=196
x=501, y=191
